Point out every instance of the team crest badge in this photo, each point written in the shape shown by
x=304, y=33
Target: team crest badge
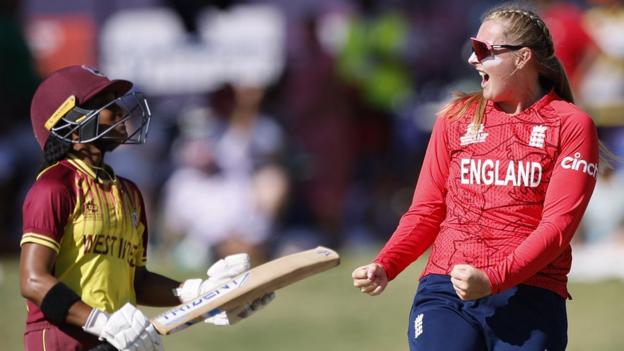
x=473, y=135
x=538, y=136
x=90, y=207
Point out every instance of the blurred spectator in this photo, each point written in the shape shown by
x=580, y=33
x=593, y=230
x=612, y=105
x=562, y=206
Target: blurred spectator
x=316, y=110
x=18, y=76
x=599, y=262
x=573, y=45
x=251, y=140
x=599, y=254
x=374, y=54
x=176, y=51
x=18, y=80
x=227, y=192
x=605, y=213
x=374, y=62
x=602, y=89
x=598, y=248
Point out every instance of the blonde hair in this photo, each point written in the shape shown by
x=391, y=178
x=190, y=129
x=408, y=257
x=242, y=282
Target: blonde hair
x=525, y=28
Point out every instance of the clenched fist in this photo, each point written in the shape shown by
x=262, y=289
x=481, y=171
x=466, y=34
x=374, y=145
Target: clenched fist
x=370, y=279
x=470, y=283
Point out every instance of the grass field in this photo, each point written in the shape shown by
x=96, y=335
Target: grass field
x=326, y=313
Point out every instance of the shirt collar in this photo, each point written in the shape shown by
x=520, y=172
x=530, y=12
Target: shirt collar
x=536, y=106
x=90, y=171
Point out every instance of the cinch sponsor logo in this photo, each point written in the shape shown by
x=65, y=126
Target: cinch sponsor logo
x=577, y=164
x=487, y=172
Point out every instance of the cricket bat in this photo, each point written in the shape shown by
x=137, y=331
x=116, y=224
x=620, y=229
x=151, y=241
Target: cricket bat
x=247, y=287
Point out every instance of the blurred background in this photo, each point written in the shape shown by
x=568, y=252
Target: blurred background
x=281, y=125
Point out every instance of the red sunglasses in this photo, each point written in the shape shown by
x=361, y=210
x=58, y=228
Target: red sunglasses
x=483, y=50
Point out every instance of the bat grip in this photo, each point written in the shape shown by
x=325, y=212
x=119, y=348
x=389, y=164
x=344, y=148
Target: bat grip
x=103, y=347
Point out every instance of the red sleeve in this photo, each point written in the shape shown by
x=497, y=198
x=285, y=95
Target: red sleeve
x=46, y=210
x=420, y=225
x=570, y=188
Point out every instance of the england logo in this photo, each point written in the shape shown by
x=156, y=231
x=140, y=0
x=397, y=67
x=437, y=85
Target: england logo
x=418, y=325
x=538, y=135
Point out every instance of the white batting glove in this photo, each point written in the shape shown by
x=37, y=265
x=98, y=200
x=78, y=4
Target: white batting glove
x=127, y=329
x=234, y=316
x=220, y=273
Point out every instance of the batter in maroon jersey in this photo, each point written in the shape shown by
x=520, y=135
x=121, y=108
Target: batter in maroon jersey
x=83, y=258
x=506, y=178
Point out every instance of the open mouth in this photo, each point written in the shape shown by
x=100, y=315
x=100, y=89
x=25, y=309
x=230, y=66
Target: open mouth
x=484, y=78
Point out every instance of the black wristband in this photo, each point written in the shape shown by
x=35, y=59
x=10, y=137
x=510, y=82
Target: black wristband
x=57, y=301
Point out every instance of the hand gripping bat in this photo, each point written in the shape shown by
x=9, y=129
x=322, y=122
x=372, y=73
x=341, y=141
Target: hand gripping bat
x=233, y=295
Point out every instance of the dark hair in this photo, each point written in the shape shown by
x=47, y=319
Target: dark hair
x=54, y=150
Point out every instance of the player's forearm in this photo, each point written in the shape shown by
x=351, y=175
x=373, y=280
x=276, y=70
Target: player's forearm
x=153, y=289
x=421, y=223
x=544, y=245
x=36, y=262
x=35, y=288
x=536, y=252
x=78, y=313
x=415, y=233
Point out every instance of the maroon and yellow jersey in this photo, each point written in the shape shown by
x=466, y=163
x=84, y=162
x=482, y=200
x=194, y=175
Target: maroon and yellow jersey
x=506, y=197
x=96, y=227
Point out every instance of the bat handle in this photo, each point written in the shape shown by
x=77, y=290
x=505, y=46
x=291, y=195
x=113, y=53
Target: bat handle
x=103, y=347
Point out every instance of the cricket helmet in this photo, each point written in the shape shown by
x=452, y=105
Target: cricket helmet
x=58, y=108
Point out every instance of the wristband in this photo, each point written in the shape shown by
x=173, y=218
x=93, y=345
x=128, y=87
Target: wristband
x=57, y=301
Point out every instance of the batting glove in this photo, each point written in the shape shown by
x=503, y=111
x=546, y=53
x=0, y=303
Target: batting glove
x=127, y=329
x=235, y=315
x=219, y=274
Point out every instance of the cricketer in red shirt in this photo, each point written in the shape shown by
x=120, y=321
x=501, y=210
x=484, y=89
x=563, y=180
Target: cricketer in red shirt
x=506, y=198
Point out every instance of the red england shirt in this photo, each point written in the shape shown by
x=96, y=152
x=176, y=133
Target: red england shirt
x=505, y=198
